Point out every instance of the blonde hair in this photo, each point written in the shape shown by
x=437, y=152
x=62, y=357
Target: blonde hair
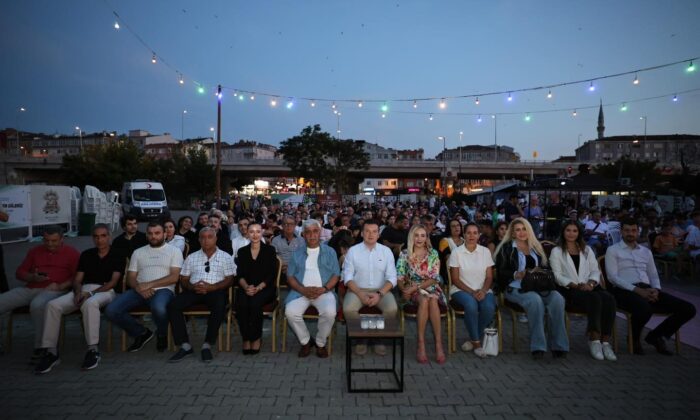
x=532, y=241
x=411, y=233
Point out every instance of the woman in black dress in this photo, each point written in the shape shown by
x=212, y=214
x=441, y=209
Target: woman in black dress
x=257, y=269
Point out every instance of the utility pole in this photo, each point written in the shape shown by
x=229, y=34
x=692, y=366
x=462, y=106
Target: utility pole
x=218, y=148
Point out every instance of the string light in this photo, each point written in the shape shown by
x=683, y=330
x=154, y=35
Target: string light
x=623, y=108
x=182, y=81
x=241, y=98
x=636, y=79
x=549, y=94
x=383, y=115
x=431, y=117
x=476, y=102
x=360, y=104
x=574, y=113
x=153, y=58
x=415, y=104
x=510, y=97
x=116, y=25
x=235, y=94
x=313, y=104
x=335, y=111
x=527, y=117
x=675, y=98
x=273, y=102
x=290, y=104
x=591, y=87
x=219, y=95
x=200, y=90
x=385, y=107
x=478, y=119
x=333, y=106
x=443, y=105
x=691, y=67
x=252, y=97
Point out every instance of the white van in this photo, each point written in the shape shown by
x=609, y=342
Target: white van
x=144, y=199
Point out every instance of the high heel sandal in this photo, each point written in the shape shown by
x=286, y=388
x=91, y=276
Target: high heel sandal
x=421, y=356
x=440, y=357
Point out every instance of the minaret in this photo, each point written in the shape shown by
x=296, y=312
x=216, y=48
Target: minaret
x=601, y=121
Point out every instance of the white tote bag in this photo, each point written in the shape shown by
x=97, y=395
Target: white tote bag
x=490, y=342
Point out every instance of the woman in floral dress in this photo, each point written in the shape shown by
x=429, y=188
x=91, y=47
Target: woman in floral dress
x=418, y=272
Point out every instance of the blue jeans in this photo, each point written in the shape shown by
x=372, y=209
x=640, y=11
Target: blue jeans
x=536, y=307
x=477, y=315
x=118, y=311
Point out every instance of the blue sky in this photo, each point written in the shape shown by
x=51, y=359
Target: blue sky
x=67, y=65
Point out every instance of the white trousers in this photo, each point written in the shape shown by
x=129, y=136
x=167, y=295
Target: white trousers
x=326, y=306
x=36, y=299
x=90, y=309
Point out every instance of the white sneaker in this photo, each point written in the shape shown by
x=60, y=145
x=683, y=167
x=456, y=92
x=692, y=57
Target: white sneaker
x=479, y=351
x=609, y=353
x=522, y=318
x=596, y=350
x=467, y=346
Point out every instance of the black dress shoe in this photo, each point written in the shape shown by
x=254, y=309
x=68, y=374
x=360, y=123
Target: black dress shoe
x=247, y=352
x=559, y=354
x=660, y=344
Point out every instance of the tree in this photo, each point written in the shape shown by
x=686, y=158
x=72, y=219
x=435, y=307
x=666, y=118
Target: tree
x=314, y=154
x=643, y=174
x=105, y=166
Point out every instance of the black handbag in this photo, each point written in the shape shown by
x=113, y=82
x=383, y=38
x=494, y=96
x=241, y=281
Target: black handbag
x=538, y=280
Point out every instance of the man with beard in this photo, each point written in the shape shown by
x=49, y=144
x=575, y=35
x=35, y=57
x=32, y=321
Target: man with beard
x=152, y=274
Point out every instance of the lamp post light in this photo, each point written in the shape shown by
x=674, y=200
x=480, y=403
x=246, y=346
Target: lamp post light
x=337, y=130
x=80, y=136
x=495, y=138
x=19, y=135
x=182, y=126
x=459, y=172
x=444, y=165
x=644, y=145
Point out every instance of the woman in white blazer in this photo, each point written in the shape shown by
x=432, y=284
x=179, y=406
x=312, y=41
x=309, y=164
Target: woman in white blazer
x=577, y=272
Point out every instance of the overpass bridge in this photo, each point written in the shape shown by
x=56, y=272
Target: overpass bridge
x=26, y=169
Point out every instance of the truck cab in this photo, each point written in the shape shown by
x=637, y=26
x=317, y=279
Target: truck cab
x=145, y=199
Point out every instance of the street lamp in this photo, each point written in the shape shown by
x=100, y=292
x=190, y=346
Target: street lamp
x=444, y=165
x=645, y=136
x=182, y=127
x=19, y=135
x=495, y=137
x=80, y=135
x=337, y=130
x=459, y=172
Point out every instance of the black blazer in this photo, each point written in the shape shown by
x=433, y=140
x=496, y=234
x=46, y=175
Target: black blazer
x=506, y=264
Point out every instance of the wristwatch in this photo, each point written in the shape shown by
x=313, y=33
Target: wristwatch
x=381, y=294
x=327, y=289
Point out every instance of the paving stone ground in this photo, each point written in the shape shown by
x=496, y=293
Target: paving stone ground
x=279, y=385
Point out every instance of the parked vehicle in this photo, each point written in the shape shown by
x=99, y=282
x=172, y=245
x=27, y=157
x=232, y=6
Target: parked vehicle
x=144, y=199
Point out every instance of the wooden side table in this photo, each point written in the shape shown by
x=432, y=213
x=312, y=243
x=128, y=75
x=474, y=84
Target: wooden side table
x=392, y=331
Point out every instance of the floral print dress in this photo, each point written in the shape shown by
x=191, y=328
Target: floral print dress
x=413, y=270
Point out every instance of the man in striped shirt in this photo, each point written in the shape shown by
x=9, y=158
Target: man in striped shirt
x=153, y=271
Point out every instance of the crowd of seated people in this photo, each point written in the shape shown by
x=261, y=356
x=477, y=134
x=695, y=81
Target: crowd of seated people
x=380, y=256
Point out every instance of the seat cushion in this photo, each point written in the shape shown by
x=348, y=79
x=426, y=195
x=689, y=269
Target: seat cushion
x=269, y=308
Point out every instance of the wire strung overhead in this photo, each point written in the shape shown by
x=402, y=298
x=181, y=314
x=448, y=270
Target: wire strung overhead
x=290, y=100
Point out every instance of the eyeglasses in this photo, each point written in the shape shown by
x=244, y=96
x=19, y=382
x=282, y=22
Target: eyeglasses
x=206, y=267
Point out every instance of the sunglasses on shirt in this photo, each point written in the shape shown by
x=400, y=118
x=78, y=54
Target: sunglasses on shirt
x=206, y=267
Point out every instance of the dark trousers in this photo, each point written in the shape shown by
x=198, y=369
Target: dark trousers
x=249, y=311
x=599, y=306
x=641, y=310
x=4, y=287
x=215, y=301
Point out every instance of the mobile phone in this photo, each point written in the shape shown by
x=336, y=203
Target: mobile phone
x=41, y=273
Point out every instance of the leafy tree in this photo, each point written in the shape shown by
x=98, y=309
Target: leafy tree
x=314, y=154
x=105, y=166
x=643, y=174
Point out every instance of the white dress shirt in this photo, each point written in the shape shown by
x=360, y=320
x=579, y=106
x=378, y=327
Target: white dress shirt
x=627, y=266
x=369, y=268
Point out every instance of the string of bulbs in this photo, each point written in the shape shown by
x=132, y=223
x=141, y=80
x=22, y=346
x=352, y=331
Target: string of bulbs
x=290, y=101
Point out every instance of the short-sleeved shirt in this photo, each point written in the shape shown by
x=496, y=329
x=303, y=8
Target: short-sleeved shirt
x=285, y=248
x=220, y=265
x=694, y=239
x=99, y=270
x=472, y=266
x=154, y=263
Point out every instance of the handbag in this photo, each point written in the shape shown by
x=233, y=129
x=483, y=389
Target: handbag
x=538, y=280
x=490, y=344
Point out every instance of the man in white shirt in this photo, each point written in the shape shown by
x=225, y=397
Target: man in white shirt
x=312, y=275
x=630, y=268
x=369, y=274
x=152, y=274
x=205, y=278
x=596, y=233
x=241, y=240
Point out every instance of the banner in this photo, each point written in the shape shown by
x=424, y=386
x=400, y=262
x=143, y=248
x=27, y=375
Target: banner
x=14, y=201
x=50, y=205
